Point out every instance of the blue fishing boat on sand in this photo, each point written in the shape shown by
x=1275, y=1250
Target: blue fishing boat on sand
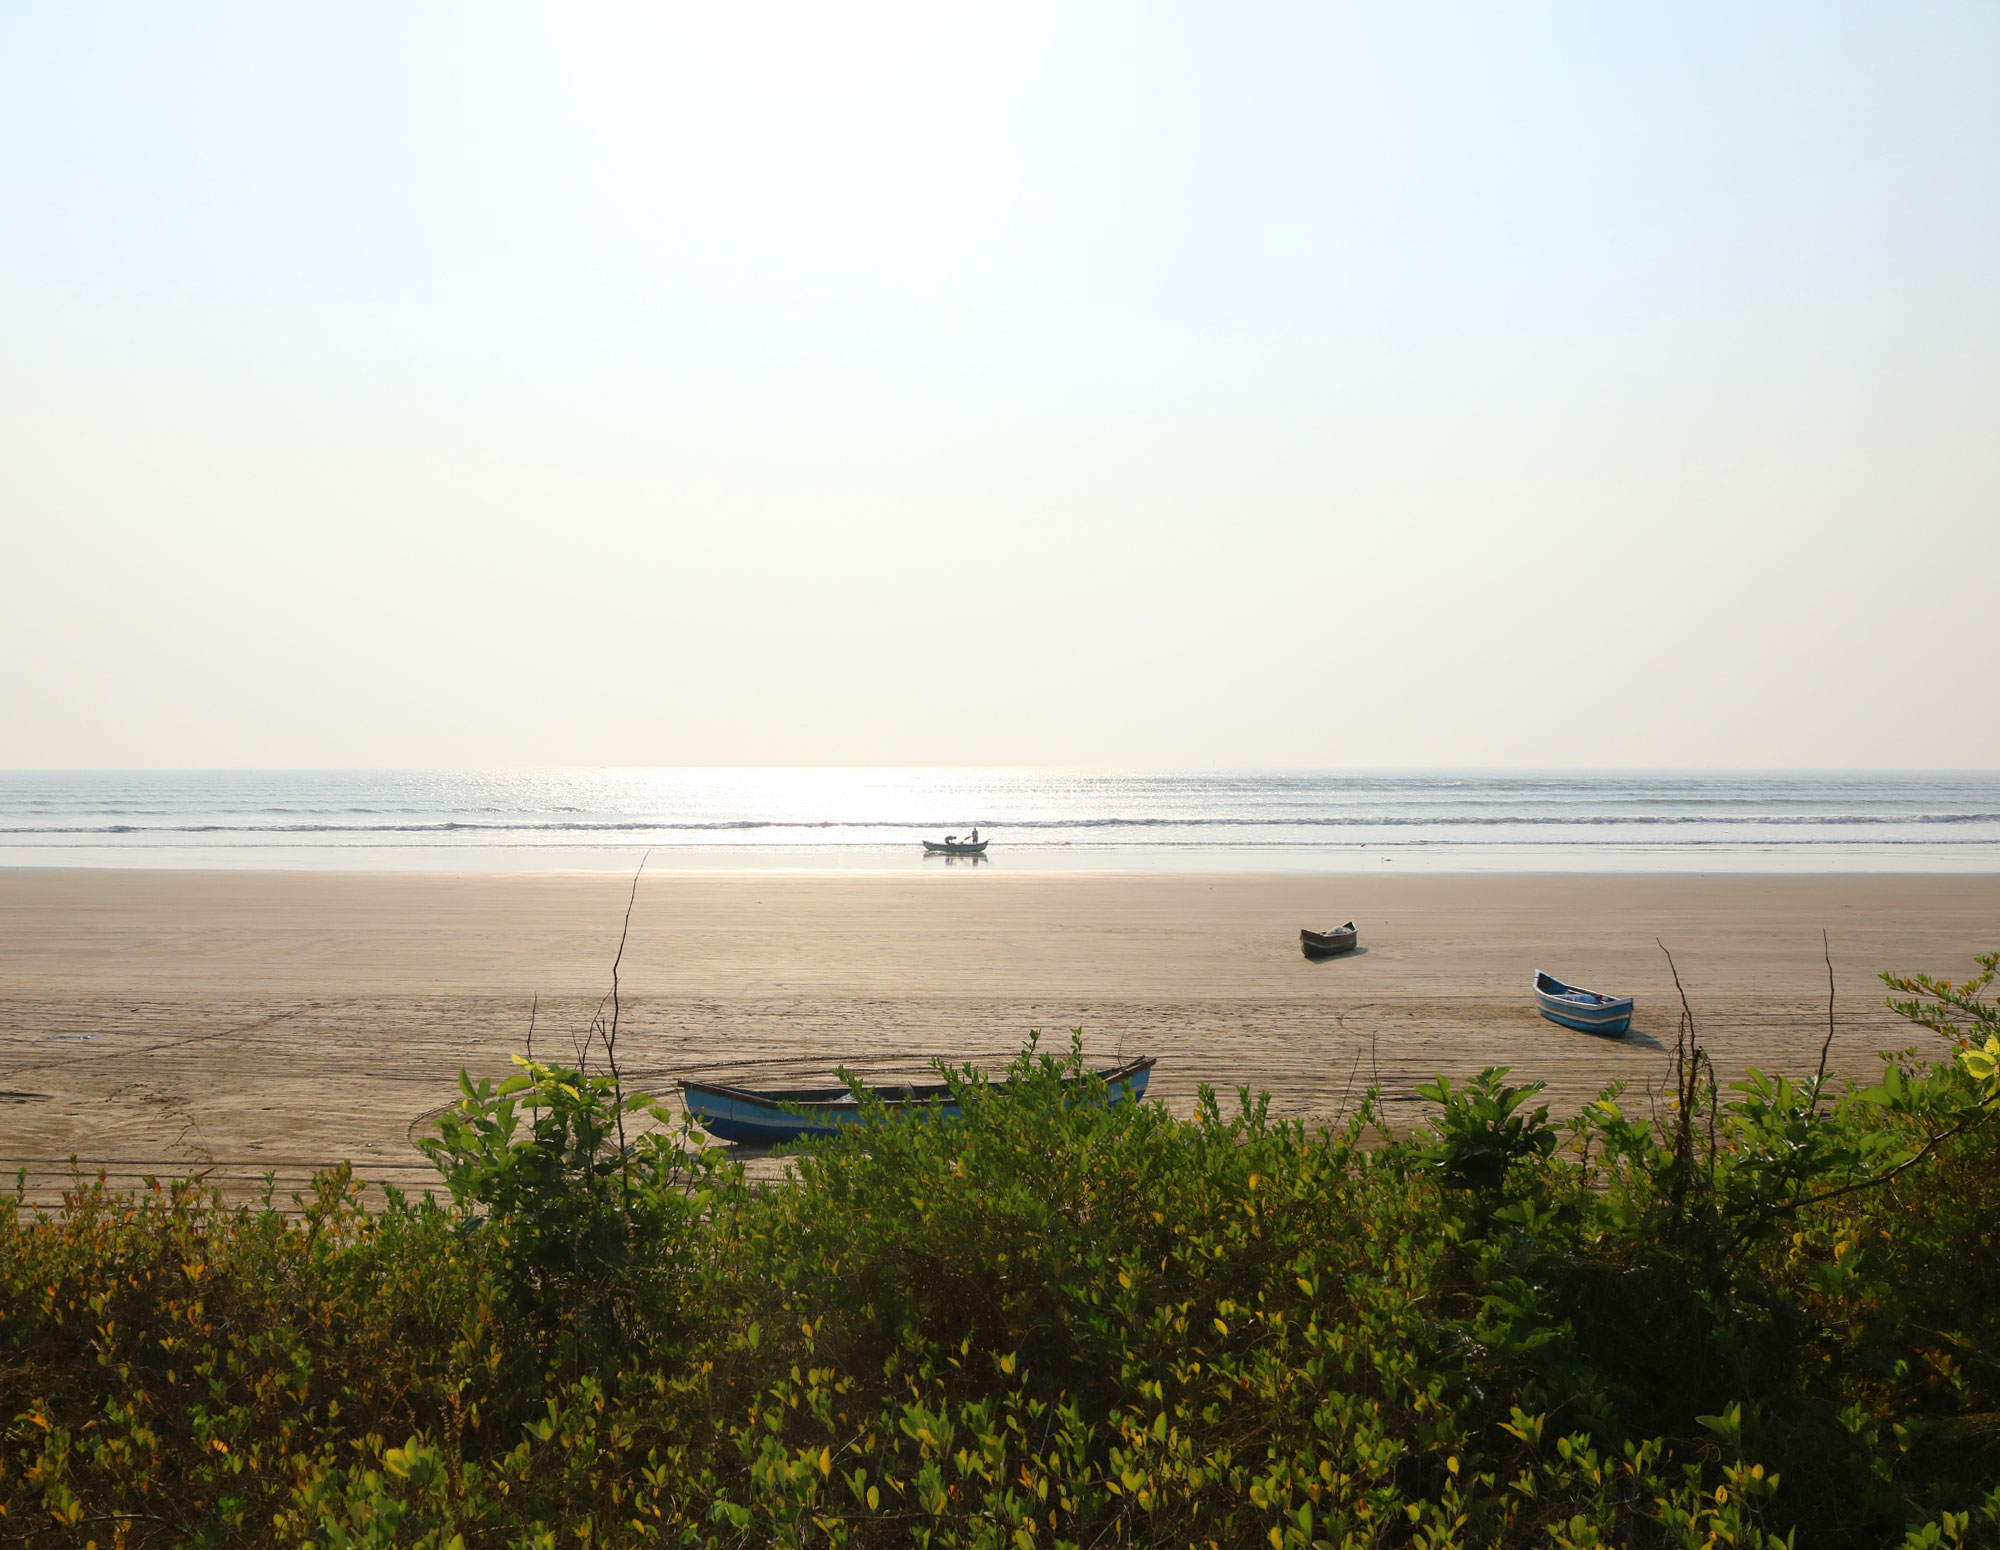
x=764, y=1117
x=1584, y=1010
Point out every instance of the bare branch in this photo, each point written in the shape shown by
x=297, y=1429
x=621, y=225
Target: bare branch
x=1979, y=1115
x=609, y=1033
x=1819, y=1079
x=1353, y=1071
x=102, y=1517
x=1687, y=1012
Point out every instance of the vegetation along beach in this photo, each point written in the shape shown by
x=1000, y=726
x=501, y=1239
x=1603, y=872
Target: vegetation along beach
x=274, y=1270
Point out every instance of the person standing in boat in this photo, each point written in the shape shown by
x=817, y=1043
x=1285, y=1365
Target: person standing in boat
x=975, y=836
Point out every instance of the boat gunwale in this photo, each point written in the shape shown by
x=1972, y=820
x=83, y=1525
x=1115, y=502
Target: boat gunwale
x=1575, y=996
x=905, y=1097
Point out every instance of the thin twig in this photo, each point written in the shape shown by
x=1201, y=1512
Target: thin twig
x=1689, y=1057
x=1346, y=1092
x=1684, y=1034
x=1674, y=969
x=1714, y=1109
x=102, y=1517
x=610, y=1036
x=1819, y=1080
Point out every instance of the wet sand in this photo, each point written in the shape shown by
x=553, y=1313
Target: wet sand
x=243, y=1021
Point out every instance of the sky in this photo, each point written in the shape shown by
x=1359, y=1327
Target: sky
x=1148, y=386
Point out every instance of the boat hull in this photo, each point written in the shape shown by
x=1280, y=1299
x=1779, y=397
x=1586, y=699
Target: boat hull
x=1324, y=944
x=768, y=1119
x=1583, y=1010
x=933, y=848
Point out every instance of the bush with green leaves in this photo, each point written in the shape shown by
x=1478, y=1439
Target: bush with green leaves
x=591, y=1227
x=1768, y=1317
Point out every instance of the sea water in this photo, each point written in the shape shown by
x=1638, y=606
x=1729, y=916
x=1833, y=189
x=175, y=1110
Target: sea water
x=1037, y=820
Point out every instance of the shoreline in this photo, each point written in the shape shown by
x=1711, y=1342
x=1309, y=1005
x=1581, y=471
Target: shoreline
x=1582, y=858
x=183, y=1018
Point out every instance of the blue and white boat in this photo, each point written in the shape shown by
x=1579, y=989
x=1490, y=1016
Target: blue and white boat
x=1584, y=1010
x=767, y=1116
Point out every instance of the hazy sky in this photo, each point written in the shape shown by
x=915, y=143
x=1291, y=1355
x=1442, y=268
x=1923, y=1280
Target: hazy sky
x=1136, y=385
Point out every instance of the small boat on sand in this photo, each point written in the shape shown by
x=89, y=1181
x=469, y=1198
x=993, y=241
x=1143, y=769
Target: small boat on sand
x=955, y=847
x=1584, y=1010
x=1324, y=944
x=768, y=1115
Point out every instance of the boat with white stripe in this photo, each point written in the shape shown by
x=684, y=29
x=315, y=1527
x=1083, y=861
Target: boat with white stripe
x=1584, y=1010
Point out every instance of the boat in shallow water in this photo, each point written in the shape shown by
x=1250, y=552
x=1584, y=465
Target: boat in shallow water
x=955, y=848
x=765, y=1116
x=1584, y=1010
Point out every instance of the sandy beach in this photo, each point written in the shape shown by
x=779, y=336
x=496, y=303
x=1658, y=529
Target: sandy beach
x=242, y=1021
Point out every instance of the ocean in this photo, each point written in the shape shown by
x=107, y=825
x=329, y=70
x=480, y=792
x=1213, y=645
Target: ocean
x=1037, y=820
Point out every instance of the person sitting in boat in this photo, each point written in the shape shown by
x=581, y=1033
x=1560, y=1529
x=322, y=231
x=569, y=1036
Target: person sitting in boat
x=951, y=839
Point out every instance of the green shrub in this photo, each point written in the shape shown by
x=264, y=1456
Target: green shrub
x=591, y=1230
x=1768, y=1318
